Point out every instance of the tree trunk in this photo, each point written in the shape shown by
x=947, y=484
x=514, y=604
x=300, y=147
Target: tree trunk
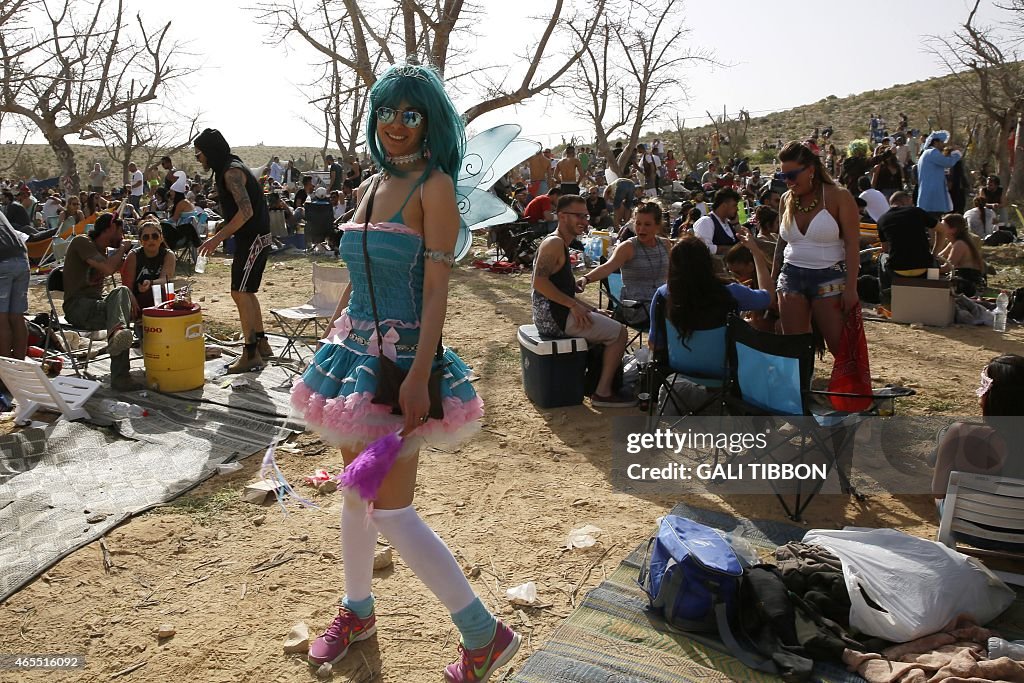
x=65, y=159
x=1002, y=149
x=1016, y=187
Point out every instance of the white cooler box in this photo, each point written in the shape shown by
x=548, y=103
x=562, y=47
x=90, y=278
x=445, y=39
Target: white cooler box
x=554, y=370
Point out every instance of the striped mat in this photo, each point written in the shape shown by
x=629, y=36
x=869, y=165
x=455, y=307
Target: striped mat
x=611, y=638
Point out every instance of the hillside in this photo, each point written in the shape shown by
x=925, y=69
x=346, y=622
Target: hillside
x=39, y=161
x=927, y=103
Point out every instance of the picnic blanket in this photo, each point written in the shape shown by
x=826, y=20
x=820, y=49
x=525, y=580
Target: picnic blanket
x=612, y=637
x=65, y=485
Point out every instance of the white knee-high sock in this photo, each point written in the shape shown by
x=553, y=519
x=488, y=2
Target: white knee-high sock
x=358, y=540
x=427, y=555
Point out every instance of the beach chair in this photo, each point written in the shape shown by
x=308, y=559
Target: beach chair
x=770, y=378
x=700, y=361
x=33, y=390
x=633, y=314
x=989, y=511
x=328, y=286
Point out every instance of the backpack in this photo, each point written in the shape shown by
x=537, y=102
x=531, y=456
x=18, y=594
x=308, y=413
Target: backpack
x=1016, y=310
x=692, y=578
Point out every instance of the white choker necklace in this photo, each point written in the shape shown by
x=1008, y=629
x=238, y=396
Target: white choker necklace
x=405, y=159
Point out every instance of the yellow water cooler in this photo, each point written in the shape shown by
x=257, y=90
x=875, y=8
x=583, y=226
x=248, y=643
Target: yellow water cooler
x=173, y=346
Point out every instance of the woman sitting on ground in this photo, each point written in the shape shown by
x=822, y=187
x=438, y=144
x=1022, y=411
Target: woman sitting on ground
x=986, y=448
x=643, y=260
x=696, y=298
x=961, y=256
x=151, y=263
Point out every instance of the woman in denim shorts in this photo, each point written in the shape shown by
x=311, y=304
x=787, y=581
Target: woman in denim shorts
x=819, y=248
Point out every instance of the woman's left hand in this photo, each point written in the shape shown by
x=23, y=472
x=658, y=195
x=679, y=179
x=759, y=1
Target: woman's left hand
x=414, y=400
x=850, y=298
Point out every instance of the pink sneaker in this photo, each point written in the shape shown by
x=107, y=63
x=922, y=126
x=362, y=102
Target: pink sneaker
x=476, y=666
x=347, y=628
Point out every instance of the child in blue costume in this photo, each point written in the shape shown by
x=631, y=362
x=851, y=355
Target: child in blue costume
x=416, y=136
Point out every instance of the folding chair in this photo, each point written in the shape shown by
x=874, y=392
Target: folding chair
x=183, y=239
x=328, y=286
x=700, y=360
x=770, y=377
x=33, y=390
x=633, y=314
x=58, y=326
x=991, y=508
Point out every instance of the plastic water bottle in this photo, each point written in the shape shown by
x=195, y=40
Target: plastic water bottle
x=201, y=263
x=999, y=315
x=997, y=647
x=122, y=409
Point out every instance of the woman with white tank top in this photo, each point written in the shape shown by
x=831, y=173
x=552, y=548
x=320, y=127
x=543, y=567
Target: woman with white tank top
x=818, y=255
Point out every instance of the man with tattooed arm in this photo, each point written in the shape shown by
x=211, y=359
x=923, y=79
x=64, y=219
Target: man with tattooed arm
x=558, y=313
x=246, y=217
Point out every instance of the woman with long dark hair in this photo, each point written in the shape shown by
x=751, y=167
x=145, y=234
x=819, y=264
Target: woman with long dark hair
x=407, y=240
x=696, y=298
x=818, y=254
x=961, y=256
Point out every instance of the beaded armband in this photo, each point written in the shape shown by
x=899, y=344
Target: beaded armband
x=440, y=256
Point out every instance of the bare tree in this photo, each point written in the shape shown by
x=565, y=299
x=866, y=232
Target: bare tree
x=988, y=76
x=637, y=57
x=356, y=37
x=693, y=147
x=82, y=65
x=133, y=135
x=732, y=132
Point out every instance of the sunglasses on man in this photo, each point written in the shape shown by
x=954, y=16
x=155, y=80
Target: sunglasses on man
x=791, y=176
x=410, y=117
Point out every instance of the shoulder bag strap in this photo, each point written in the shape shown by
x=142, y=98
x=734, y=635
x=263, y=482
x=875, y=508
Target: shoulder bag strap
x=366, y=262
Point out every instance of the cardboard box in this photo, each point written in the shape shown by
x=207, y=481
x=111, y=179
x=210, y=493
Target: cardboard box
x=918, y=300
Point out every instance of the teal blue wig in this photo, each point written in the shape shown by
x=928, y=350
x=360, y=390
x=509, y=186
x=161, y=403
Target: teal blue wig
x=421, y=88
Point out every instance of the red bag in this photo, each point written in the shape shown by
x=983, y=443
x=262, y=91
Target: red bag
x=851, y=372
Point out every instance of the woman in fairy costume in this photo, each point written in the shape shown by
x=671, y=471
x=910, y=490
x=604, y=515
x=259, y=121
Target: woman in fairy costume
x=417, y=137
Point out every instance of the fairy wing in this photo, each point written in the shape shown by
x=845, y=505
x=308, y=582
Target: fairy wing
x=489, y=155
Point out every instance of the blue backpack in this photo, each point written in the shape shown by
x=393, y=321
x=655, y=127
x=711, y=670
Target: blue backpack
x=692, y=578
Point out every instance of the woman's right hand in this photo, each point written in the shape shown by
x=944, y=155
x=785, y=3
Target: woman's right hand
x=145, y=285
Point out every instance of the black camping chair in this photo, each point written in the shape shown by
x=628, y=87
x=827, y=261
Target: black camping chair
x=183, y=239
x=770, y=378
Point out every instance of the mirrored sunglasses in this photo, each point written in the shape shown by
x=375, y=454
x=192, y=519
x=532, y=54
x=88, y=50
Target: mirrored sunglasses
x=410, y=117
x=150, y=237
x=791, y=176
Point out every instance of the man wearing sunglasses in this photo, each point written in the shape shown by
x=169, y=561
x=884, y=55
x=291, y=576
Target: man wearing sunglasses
x=558, y=313
x=246, y=217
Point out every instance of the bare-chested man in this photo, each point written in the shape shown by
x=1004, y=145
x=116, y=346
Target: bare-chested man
x=540, y=170
x=569, y=172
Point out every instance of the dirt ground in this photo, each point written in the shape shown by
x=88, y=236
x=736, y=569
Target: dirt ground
x=504, y=502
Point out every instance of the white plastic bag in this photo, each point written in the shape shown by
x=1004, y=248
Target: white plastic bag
x=920, y=585
x=525, y=594
x=584, y=537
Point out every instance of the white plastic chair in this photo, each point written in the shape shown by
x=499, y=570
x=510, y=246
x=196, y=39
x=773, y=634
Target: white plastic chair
x=33, y=390
x=985, y=507
x=328, y=285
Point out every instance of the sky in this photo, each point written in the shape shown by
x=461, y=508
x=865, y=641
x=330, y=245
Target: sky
x=777, y=54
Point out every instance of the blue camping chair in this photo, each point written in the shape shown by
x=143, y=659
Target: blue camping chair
x=633, y=314
x=700, y=361
x=770, y=378
x=183, y=239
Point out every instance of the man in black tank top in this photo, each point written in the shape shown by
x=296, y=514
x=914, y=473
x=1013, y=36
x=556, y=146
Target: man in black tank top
x=557, y=311
x=246, y=218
